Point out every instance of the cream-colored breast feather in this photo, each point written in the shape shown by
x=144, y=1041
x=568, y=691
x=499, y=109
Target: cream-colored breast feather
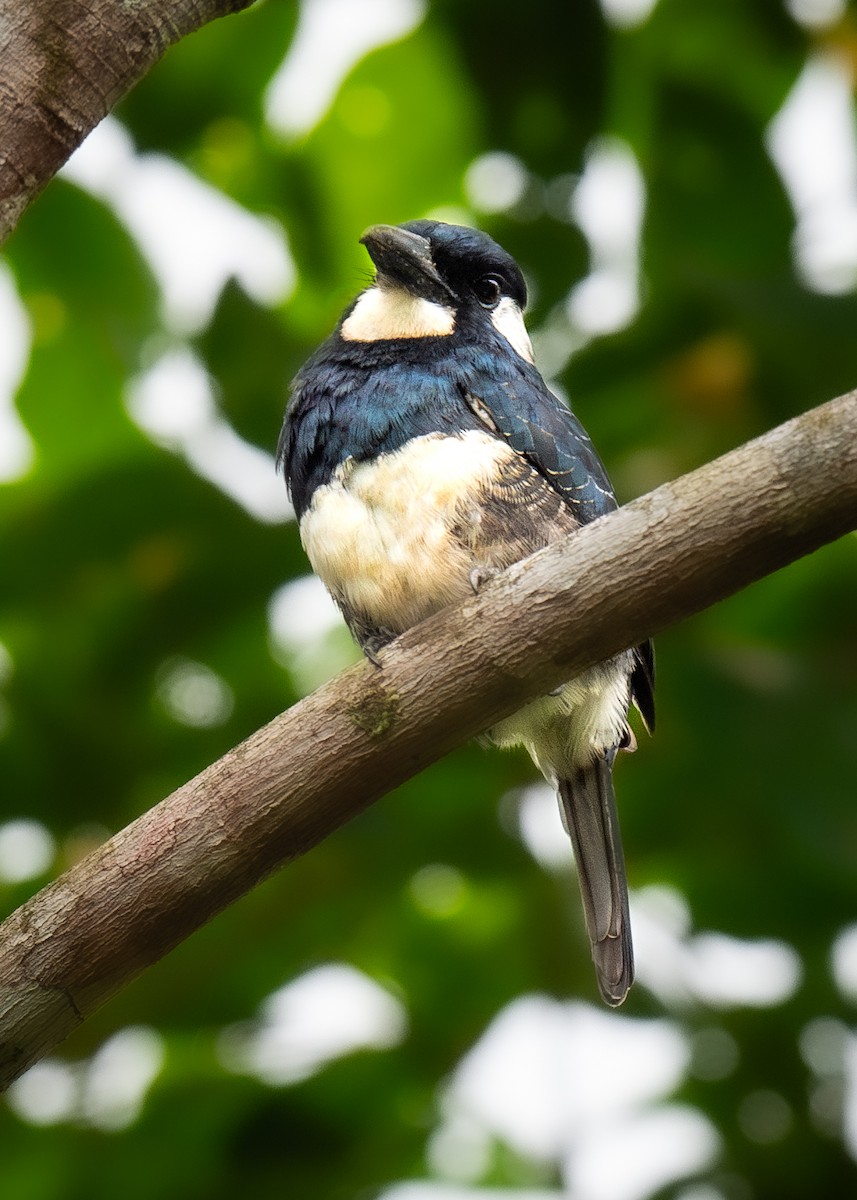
x=381, y=534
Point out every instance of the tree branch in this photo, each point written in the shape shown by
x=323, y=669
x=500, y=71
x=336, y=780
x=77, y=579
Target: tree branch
x=626, y=576
x=65, y=64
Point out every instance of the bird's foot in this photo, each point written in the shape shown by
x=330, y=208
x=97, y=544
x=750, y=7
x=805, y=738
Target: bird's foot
x=480, y=575
x=375, y=643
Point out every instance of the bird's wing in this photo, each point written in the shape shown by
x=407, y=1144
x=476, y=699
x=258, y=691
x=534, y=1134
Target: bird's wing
x=541, y=428
x=546, y=432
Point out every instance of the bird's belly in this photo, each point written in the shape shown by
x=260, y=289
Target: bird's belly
x=381, y=533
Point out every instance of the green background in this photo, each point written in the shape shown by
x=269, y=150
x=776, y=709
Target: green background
x=118, y=561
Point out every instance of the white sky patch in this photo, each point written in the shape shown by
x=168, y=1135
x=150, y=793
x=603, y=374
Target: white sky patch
x=27, y=849
x=726, y=971
x=544, y=1073
x=46, y=1094
x=119, y=1076
x=540, y=827
x=608, y=205
x=307, y=633
x=459, y=1149
x=193, y=237
x=580, y=1087
x=193, y=694
x=634, y=1157
x=173, y=403
x=606, y=300
x=495, y=182
x=813, y=143
x=329, y=1012
x=16, y=446
x=301, y=611
x=843, y=962
x=661, y=923
x=816, y=14
x=107, y=1091
x=713, y=968
x=609, y=201
x=331, y=37
x=626, y=14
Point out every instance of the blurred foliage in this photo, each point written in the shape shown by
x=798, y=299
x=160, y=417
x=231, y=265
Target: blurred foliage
x=118, y=561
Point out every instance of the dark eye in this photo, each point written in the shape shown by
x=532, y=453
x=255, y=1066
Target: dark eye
x=488, y=290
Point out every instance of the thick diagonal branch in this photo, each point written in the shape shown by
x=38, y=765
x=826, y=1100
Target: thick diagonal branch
x=65, y=63
x=607, y=587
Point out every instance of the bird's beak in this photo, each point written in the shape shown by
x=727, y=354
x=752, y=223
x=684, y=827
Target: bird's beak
x=404, y=260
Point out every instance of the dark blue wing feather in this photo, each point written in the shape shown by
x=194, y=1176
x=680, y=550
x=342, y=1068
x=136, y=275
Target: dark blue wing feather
x=538, y=425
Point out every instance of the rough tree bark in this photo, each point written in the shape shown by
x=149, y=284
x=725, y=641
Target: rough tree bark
x=65, y=63
x=270, y=799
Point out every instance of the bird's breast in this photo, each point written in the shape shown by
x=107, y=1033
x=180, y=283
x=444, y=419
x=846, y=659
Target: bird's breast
x=381, y=533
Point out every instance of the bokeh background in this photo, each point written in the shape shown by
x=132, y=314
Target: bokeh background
x=409, y=1012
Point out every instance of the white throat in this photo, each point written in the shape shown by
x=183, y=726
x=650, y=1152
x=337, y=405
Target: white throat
x=382, y=313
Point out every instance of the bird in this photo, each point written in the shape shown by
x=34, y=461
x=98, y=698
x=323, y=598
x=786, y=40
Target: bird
x=424, y=453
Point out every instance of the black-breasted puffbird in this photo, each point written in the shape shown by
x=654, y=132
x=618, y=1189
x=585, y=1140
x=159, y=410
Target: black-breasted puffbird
x=424, y=452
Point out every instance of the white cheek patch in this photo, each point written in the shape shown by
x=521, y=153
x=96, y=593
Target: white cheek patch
x=382, y=314
x=509, y=322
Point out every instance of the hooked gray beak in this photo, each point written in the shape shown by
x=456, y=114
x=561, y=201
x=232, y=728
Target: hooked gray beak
x=404, y=259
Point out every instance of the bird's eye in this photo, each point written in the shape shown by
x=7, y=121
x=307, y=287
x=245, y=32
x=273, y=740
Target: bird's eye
x=488, y=290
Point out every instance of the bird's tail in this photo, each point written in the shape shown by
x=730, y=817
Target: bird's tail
x=589, y=811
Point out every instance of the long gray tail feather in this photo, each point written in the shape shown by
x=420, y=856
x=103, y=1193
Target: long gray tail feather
x=589, y=808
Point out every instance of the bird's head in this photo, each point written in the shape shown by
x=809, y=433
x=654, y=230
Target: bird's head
x=433, y=280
